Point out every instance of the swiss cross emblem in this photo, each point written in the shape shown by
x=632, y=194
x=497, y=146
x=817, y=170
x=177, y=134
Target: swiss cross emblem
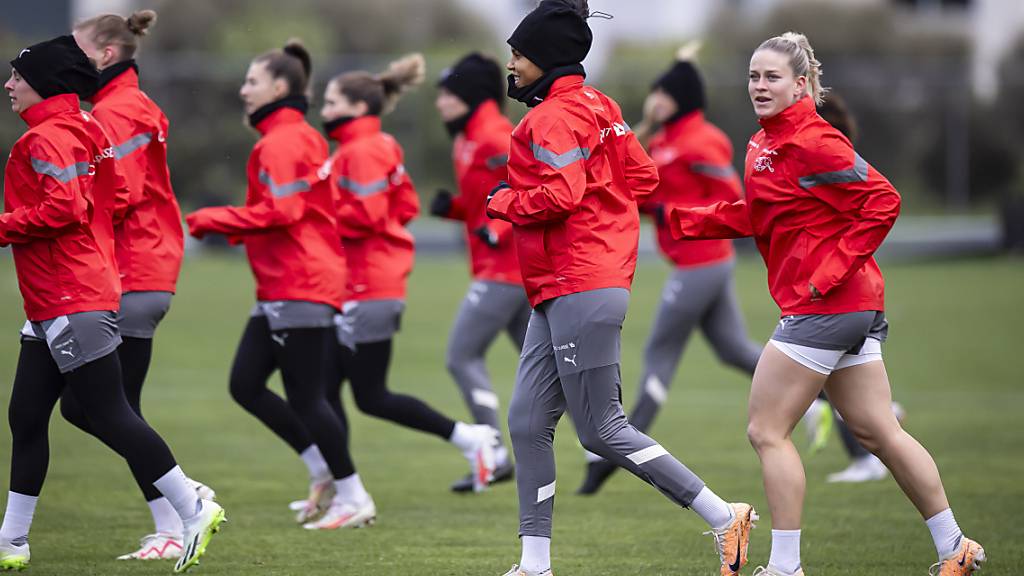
x=764, y=161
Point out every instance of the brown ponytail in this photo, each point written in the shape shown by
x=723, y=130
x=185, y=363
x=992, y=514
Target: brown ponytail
x=382, y=91
x=110, y=29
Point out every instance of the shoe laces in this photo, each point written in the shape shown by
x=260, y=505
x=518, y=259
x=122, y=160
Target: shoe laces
x=718, y=535
x=761, y=571
x=934, y=569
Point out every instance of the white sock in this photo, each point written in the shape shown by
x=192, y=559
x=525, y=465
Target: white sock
x=165, y=518
x=945, y=532
x=182, y=496
x=536, y=554
x=463, y=436
x=785, y=556
x=715, y=511
x=18, y=518
x=315, y=462
x=350, y=489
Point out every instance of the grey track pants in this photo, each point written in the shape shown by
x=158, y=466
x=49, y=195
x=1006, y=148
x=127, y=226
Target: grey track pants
x=570, y=360
x=488, y=309
x=702, y=297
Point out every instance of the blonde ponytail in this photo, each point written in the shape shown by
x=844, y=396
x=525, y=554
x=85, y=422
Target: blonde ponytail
x=801, y=60
x=382, y=91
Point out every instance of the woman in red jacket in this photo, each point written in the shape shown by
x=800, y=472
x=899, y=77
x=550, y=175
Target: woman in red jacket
x=576, y=173
x=63, y=192
x=469, y=100
x=376, y=199
x=818, y=212
x=694, y=160
x=148, y=242
x=288, y=228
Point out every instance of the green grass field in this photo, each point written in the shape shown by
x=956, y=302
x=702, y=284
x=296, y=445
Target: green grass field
x=952, y=355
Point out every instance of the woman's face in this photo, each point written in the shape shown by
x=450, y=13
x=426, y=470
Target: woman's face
x=772, y=85
x=337, y=105
x=659, y=106
x=449, y=105
x=260, y=88
x=523, y=70
x=21, y=94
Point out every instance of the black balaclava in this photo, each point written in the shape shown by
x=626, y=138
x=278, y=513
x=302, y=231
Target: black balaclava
x=57, y=66
x=299, y=102
x=114, y=70
x=683, y=83
x=474, y=79
x=332, y=125
x=556, y=38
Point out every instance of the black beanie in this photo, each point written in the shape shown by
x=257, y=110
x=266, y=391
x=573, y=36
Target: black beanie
x=553, y=35
x=474, y=79
x=57, y=66
x=683, y=83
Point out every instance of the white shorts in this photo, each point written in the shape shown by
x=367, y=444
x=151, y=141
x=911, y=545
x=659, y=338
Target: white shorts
x=827, y=361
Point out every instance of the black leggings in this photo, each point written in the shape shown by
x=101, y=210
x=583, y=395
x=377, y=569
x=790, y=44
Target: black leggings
x=367, y=370
x=306, y=417
x=97, y=388
x=134, y=355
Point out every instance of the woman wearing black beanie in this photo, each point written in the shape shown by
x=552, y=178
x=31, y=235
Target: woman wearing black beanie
x=575, y=175
x=63, y=193
x=469, y=100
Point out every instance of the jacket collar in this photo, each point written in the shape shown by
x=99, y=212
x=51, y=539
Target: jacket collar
x=565, y=84
x=280, y=117
x=125, y=80
x=52, y=106
x=484, y=114
x=356, y=128
x=684, y=123
x=786, y=122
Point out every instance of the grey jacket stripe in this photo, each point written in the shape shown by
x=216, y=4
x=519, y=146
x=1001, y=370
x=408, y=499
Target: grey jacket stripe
x=360, y=189
x=64, y=175
x=859, y=173
x=495, y=162
x=132, y=144
x=559, y=161
x=723, y=171
x=282, y=190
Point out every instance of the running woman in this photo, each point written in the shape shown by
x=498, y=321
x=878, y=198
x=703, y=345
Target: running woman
x=376, y=200
x=470, y=98
x=576, y=172
x=62, y=192
x=148, y=242
x=289, y=230
x=818, y=211
x=694, y=160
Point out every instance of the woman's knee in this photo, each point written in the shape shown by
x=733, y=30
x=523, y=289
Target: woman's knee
x=763, y=435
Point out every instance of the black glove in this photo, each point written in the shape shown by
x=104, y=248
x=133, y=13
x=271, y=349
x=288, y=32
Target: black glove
x=658, y=213
x=441, y=205
x=487, y=235
x=501, y=186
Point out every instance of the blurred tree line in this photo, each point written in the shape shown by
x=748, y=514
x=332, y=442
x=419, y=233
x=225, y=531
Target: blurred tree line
x=907, y=83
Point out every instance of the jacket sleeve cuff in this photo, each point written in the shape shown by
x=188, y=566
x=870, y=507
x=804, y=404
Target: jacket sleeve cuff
x=499, y=205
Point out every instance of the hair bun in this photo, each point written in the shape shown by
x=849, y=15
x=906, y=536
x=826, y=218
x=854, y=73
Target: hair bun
x=140, y=22
x=295, y=48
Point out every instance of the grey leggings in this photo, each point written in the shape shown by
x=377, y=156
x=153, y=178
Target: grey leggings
x=704, y=297
x=488, y=309
x=570, y=360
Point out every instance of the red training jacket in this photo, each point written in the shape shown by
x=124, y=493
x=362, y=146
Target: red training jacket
x=817, y=210
x=376, y=200
x=287, y=223
x=480, y=155
x=576, y=172
x=149, y=242
x=694, y=160
x=62, y=191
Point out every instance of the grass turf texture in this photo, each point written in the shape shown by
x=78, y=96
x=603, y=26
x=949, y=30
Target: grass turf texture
x=952, y=357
